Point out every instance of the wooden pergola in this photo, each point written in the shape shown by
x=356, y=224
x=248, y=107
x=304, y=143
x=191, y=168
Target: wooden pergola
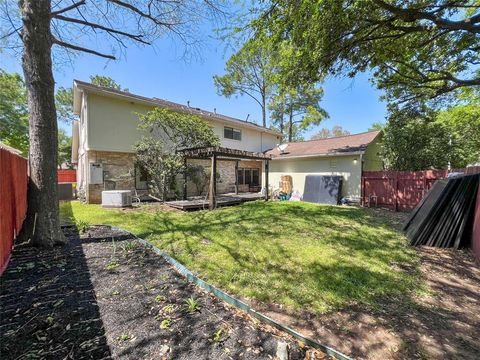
x=221, y=153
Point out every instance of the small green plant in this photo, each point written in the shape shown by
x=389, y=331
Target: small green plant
x=115, y=292
x=82, y=225
x=129, y=246
x=167, y=309
x=192, y=305
x=159, y=298
x=112, y=265
x=124, y=337
x=165, y=324
x=218, y=335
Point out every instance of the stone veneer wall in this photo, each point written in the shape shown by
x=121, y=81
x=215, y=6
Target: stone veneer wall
x=119, y=168
x=226, y=171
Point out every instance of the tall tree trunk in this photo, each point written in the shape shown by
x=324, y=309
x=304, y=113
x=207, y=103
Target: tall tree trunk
x=264, y=111
x=42, y=224
x=290, y=125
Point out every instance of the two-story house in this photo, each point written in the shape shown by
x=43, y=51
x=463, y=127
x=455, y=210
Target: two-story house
x=107, y=129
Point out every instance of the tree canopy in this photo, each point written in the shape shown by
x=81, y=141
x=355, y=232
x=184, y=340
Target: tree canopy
x=168, y=132
x=422, y=138
x=335, y=131
x=295, y=109
x=13, y=111
x=418, y=50
x=250, y=72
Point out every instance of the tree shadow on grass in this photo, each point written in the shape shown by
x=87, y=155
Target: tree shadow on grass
x=48, y=305
x=372, y=281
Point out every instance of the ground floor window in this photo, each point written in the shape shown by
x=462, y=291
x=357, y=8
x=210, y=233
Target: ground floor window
x=248, y=176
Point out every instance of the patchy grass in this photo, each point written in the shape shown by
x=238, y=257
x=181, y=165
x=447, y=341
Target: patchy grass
x=302, y=256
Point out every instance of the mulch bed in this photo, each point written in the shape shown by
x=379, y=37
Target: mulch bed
x=105, y=296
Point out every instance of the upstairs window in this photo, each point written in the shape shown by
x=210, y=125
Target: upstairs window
x=231, y=133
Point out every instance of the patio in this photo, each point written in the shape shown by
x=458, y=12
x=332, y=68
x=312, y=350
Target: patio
x=202, y=203
x=217, y=200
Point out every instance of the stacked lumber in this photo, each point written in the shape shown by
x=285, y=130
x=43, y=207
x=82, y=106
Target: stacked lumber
x=444, y=218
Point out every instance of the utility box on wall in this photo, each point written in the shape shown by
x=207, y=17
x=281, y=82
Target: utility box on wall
x=96, y=173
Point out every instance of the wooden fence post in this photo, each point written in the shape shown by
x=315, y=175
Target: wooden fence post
x=395, y=179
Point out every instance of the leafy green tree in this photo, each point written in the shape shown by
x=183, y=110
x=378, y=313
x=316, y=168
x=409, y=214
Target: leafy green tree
x=13, y=111
x=64, y=105
x=249, y=72
x=326, y=133
x=463, y=125
x=107, y=82
x=64, y=150
x=413, y=141
x=158, y=152
x=294, y=110
x=418, y=50
x=376, y=126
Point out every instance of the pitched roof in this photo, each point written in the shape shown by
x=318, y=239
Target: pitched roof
x=166, y=104
x=341, y=145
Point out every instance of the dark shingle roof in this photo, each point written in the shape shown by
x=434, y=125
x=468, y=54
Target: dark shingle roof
x=332, y=146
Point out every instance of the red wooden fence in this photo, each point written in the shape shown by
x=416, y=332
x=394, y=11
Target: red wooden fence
x=402, y=190
x=13, y=200
x=67, y=176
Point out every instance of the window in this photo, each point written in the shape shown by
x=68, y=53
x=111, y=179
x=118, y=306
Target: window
x=141, y=178
x=248, y=177
x=231, y=133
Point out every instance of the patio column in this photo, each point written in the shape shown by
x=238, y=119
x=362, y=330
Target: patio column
x=185, y=178
x=236, y=177
x=266, y=179
x=213, y=184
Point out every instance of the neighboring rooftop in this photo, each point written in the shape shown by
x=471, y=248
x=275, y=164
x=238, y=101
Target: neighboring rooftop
x=78, y=84
x=332, y=146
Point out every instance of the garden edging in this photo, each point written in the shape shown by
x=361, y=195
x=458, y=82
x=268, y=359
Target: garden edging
x=237, y=303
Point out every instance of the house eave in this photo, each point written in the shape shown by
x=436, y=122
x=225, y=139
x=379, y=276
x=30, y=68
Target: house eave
x=286, y=157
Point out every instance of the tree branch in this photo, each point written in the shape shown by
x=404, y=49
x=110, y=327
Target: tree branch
x=68, y=8
x=101, y=27
x=411, y=15
x=82, y=49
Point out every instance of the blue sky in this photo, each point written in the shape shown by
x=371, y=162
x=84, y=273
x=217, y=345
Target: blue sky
x=161, y=72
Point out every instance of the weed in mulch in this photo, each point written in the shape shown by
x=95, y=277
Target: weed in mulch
x=192, y=305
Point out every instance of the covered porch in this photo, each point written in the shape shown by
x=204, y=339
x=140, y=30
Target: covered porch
x=213, y=200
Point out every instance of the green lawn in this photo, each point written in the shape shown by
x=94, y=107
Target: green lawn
x=304, y=256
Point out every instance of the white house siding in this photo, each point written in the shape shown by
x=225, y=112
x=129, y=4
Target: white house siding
x=298, y=168
x=109, y=126
x=113, y=126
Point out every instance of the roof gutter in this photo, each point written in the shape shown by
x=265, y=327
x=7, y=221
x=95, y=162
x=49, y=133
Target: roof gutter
x=317, y=155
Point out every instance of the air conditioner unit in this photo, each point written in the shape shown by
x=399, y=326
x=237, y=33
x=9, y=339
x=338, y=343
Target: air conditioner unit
x=116, y=198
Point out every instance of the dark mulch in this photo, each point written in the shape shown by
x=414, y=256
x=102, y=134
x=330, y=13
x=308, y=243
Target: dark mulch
x=104, y=295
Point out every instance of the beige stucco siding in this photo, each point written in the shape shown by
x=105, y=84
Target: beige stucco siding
x=298, y=168
x=372, y=160
x=113, y=126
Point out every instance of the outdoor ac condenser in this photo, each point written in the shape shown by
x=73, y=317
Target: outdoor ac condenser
x=116, y=198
